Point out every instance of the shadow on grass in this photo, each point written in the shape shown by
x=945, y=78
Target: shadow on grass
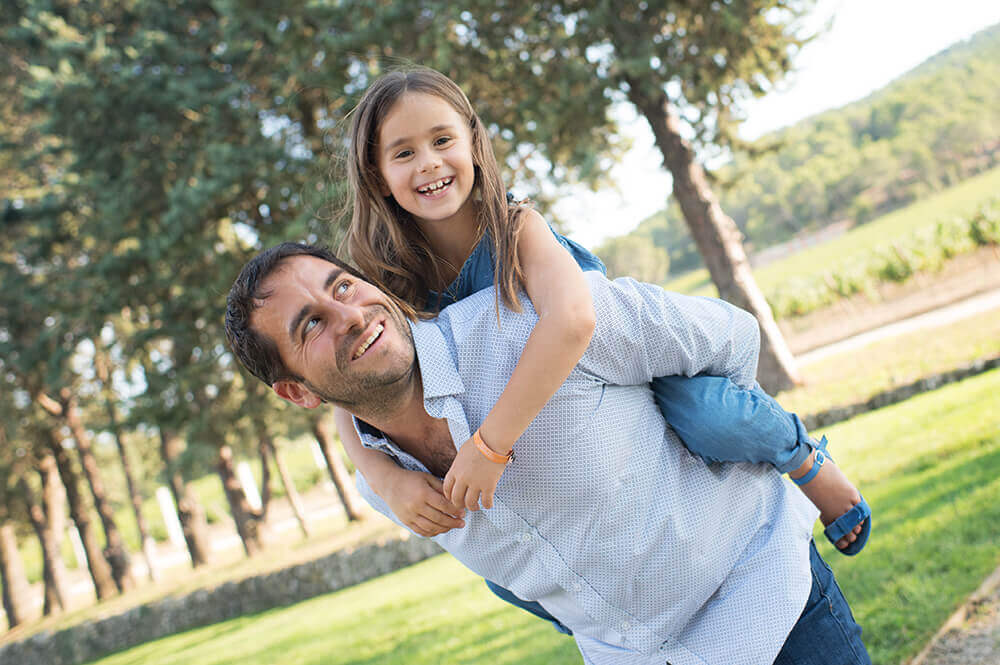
x=936, y=525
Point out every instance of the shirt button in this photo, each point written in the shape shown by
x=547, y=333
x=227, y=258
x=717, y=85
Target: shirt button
x=525, y=537
x=625, y=626
x=577, y=587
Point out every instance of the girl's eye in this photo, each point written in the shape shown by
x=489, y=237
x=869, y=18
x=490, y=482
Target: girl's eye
x=403, y=154
x=442, y=140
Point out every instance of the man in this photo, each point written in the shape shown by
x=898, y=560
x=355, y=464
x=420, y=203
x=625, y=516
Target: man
x=645, y=552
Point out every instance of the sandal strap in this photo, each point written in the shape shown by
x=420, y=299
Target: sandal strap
x=821, y=456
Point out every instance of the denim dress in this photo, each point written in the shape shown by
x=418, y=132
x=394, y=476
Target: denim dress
x=715, y=418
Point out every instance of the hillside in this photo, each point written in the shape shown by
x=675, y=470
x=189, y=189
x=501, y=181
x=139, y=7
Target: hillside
x=932, y=127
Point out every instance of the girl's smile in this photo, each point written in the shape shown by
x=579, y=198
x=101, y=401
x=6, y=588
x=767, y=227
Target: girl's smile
x=425, y=159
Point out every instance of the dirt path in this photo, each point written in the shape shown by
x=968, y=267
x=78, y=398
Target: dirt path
x=960, y=279
x=972, y=635
x=983, y=302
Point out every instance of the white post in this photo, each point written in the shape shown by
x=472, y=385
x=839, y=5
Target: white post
x=78, y=551
x=174, y=529
x=245, y=475
x=318, y=455
x=326, y=483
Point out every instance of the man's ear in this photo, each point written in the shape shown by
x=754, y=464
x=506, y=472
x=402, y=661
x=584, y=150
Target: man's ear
x=297, y=394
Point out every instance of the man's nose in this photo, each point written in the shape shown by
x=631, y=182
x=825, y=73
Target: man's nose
x=346, y=317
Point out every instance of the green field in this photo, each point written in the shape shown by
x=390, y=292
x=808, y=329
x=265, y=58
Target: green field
x=958, y=201
x=930, y=468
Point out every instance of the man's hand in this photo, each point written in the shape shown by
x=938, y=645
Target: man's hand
x=470, y=476
x=416, y=498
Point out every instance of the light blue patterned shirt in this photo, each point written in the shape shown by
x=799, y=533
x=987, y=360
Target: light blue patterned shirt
x=648, y=554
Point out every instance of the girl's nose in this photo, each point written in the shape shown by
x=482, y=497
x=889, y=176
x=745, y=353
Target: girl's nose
x=429, y=161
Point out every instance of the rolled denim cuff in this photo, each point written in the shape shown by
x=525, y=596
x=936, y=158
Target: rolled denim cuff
x=791, y=459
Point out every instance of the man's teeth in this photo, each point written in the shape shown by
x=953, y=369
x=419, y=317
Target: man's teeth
x=368, y=342
x=435, y=186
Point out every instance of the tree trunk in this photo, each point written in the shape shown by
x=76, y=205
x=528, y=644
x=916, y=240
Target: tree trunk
x=323, y=432
x=189, y=511
x=102, y=365
x=115, y=552
x=48, y=522
x=267, y=449
x=16, y=590
x=133, y=491
x=293, y=495
x=247, y=522
x=100, y=571
x=717, y=237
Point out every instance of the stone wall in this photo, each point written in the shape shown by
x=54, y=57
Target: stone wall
x=899, y=394
x=88, y=641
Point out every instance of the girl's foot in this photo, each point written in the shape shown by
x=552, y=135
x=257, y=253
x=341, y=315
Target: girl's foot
x=830, y=491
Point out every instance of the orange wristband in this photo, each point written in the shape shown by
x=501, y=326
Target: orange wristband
x=491, y=454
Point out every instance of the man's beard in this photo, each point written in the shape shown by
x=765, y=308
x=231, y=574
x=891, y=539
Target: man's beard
x=372, y=393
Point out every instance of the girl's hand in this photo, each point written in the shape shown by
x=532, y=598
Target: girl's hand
x=470, y=476
x=416, y=498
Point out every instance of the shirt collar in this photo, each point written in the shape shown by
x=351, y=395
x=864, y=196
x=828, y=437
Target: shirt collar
x=438, y=369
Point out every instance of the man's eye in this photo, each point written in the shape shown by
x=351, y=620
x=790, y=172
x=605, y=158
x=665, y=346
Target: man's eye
x=342, y=288
x=310, y=324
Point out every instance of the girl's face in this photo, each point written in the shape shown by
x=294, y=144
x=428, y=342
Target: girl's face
x=424, y=154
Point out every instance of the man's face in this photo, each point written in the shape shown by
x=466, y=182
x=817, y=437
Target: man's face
x=346, y=338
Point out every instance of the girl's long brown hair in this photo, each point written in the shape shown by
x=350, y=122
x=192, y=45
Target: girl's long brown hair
x=383, y=239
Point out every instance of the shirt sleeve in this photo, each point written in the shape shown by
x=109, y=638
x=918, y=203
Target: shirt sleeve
x=644, y=332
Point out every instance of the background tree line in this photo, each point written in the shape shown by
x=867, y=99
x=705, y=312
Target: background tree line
x=149, y=149
x=930, y=128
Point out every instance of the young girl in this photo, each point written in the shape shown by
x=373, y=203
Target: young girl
x=431, y=224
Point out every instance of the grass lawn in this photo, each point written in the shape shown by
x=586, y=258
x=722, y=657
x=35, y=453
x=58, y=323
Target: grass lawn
x=930, y=468
x=957, y=201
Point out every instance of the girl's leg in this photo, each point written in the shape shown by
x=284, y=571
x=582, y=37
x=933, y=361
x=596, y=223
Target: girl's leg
x=722, y=422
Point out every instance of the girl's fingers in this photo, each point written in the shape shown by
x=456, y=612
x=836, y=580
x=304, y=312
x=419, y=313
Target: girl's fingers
x=472, y=499
x=448, y=486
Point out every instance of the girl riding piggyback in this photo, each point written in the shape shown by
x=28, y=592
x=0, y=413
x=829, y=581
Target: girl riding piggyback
x=432, y=223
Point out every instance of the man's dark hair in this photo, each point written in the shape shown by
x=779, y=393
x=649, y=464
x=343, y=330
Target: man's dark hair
x=257, y=352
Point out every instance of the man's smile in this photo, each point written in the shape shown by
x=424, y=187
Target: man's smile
x=366, y=344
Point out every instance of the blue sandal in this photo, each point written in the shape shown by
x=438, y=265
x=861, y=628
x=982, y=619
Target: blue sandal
x=861, y=513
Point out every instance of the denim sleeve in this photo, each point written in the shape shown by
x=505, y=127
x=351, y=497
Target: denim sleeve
x=722, y=422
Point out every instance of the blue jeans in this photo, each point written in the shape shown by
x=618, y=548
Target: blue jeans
x=826, y=632
x=722, y=422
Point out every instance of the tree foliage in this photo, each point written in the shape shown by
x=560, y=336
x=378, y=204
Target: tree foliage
x=932, y=127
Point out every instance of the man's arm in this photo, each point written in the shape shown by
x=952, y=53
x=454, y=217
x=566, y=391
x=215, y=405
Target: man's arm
x=644, y=332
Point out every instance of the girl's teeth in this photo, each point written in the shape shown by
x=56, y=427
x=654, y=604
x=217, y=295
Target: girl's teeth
x=440, y=184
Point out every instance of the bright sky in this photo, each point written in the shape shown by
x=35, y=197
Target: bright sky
x=868, y=44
